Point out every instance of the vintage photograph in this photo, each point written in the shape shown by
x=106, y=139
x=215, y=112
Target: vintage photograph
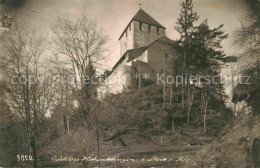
x=130, y=83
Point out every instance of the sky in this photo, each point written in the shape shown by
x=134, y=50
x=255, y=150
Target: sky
x=113, y=15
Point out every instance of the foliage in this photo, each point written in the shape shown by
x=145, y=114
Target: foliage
x=249, y=90
x=247, y=38
x=186, y=20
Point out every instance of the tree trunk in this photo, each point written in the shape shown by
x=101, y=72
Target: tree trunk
x=139, y=79
x=171, y=96
x=172, y=110
x=173, y=125
x=33, y=145
x=235, y=111
x=98, y=147
x=65, y=123
x=34, y=137
x=205, y=124
x=188, y=116
x=204, y=100
x=182, y=95
x=189, y=101
x=183, y=72
x=68, y=125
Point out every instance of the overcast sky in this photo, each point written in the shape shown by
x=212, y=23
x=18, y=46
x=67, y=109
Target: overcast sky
x=113, y=16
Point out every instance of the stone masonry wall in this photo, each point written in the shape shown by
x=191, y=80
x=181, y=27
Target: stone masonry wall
x=127, y=40
x=144, y=37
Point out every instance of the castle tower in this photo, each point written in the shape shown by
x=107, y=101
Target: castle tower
x=140, y=31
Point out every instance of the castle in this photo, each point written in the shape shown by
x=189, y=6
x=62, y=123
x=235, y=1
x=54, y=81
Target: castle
x=145, y=53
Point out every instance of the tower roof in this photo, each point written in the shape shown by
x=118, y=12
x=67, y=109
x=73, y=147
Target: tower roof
x=143, y=17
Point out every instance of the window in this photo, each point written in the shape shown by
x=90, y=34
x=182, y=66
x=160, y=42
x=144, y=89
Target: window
x=149, y=28
x=140, y=26
x=166, y=57
x=126, y=33
x=157, y=30
x=130, y=26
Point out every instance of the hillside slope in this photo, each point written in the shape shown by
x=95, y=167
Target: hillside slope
x=233, y=146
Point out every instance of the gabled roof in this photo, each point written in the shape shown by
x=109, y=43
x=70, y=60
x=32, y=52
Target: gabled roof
x=143, y=17
x=163, y=39
x=136, y=52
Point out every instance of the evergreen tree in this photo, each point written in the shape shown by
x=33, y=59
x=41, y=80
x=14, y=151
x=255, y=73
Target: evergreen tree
x=185, y=28
x=208, y=54
x=185, y=22
x=208, y=50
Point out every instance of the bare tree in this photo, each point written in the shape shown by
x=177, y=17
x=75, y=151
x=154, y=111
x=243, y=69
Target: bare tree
x=81, y=44
x=28, y=97
x=204, y=107
x=190, y=98
x=247, y=37
x=234, y=71
x=64, y=90
x=96, y=117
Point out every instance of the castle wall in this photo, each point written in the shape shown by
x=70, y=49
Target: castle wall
x=156, y=52
x=127, y=40
x=133, y=37
x=120, y=79
x=144, y=37
x=151, y=61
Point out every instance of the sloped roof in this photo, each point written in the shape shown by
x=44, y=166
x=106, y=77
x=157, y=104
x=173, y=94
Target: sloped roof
x=132, y=53
x=143, y=17
x=164, y=39
x=136, y=52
